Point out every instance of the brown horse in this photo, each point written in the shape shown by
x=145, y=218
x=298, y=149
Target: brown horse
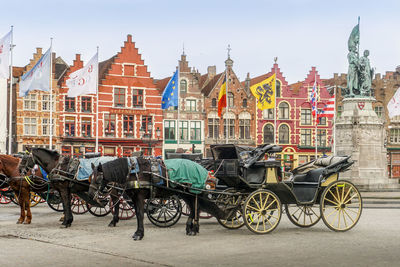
x=17, y=176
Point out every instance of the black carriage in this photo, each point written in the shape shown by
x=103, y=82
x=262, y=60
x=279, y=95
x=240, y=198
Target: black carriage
x=256, y=186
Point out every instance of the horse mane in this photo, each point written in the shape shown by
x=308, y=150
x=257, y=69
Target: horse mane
x=53, y=153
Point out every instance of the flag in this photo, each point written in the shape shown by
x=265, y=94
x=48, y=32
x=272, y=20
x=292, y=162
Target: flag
x=313, y=98
x=222, y=97
x=394, y=104
x=38, y=78
x=84, y=81
x=264, y=92
x=329, y=109
x=5, y=45
x=170, y=95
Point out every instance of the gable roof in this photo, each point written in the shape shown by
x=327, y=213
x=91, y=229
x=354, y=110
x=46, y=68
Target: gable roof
x=104, y=66
x=209, y=86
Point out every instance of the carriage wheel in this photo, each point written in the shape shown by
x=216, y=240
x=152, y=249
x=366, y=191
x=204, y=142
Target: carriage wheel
x=235, y=221
x=35, y=199
x=100, y=211
x=164, y=212
x=126, y=212
x=262, y=211
x=186, y=211
x=4, y=199
x=341, y=206
x=54, y=201
x=303, y=215
x=78, y=205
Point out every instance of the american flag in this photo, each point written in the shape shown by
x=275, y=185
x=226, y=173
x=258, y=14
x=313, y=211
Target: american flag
x=313, y=98
x=329, y=109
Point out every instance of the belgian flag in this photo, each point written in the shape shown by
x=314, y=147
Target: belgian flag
x=222, y=97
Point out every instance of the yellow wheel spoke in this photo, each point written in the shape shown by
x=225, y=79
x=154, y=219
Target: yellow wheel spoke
x=336, y=203
x=258, y=206
x=334, y=219
x=347, y=201
x=253, y=208
x=348, y=215
x=264, y=223
x=338, y=224
x=341, y=200
x=270, y=204
x=330, y=213
x=333, y=195
x=352, y=210
x=348, y=192
x=344, y=218
x=265, y=203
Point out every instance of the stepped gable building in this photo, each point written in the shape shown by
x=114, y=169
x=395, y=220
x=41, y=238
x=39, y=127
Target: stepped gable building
x=295, y=126
x=130, y=115
x=191, y=112
x=238, y=119
x=384, y=86
x=33, y=110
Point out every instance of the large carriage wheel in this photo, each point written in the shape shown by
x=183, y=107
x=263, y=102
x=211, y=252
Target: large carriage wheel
x=262, y=211
x=303, y=215
x=126, y=212
x=4, y=199
x=100, y=211
x=35, y=199
x=54, y=200
x=164, y=212
x=224, y=202
x=341, y=206
x=78, y=205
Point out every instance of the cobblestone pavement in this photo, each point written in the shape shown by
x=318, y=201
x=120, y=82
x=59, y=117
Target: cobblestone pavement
x=89, y=242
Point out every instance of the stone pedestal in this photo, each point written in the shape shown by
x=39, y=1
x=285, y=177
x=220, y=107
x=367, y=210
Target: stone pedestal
x=360, y=133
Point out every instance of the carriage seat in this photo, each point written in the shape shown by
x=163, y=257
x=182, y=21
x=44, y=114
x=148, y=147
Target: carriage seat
x=318, y=163
x=311, y=176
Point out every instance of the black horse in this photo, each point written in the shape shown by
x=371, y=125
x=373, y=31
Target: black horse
x=117, y=173
x=62, y=182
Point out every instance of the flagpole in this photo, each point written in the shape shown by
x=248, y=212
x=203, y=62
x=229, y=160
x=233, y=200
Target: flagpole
x=275, y=113
x=179, y=103
x=51, y=95
x=11, y=91
x=226, y=96
x=334, y=122
x=316, y=115
x=97, y=106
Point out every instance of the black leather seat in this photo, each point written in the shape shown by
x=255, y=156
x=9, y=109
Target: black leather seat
x=310, y=177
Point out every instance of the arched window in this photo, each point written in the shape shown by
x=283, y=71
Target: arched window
x=230, y=100
x=244, y=103
x=283, y=110
x=183, y=86
x=278, y=88
x=268, y=134
x=213, y=102
x=283, y=134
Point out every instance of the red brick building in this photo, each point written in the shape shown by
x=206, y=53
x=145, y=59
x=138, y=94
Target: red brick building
x=295, y=125
x=129, y=113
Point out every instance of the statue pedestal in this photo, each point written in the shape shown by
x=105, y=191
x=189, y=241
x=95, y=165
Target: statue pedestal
x=360, y=134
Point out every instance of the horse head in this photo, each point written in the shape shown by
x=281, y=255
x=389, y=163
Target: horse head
x=45, y=158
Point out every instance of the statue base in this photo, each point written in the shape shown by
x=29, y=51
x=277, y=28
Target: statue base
x=360, y=133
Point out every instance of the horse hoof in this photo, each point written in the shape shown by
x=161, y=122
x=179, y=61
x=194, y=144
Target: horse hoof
x=19, y=222
x=27, y=222
x=112, y=224
x=137, y=237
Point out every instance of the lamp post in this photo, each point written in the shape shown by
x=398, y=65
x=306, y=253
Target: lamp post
x=147, y=135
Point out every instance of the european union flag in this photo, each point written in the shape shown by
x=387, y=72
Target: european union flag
x=170, y=94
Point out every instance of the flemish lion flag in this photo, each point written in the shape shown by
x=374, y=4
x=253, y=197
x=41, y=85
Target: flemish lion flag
x=265, y=93
x=222, y=97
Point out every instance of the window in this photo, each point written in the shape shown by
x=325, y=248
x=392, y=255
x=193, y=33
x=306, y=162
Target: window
x=321, y=120
x=30, y=126
x=109, y=124
x=86, y=125
x=190, y=105
x=244, y=103
x=213, y=128
x=244, y=129
x=303, y=159
x=69, y=103
x=169, y=130
x=214, y=102
x=231, y=128
x=379, y=111
x=395, y=135
x=86, y=103
x=269, y=134
x=69, y=126
x=46, y=126
x=305, y=116
x=46, y=102
x=231, y=99
x=183, y=86
x=66, y=150
x=147, y=126
x=268, y=114
x=284, y=111
x=195, y=130
x=30, y=102
x=183, y=128
x=137, y=98
x=109, y=151
x=305, y=137
x=119, y=97
x=283, y=134
x=128, y=125
x=278, y=88
x=339, y=111
x=321, y=138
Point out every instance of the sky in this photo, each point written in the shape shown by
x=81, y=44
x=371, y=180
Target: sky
x=301, y=33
